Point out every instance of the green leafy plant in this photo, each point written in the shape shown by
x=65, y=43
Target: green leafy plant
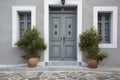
x=89, y=41
x=98, y=57
x=31, y=43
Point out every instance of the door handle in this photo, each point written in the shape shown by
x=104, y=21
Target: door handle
x=63, y=39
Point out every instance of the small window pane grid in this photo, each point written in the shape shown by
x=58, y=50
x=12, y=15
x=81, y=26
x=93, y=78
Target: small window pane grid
x=104, y=27
x=24, y=22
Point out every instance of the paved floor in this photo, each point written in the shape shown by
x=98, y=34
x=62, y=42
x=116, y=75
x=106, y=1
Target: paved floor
x=59, y=73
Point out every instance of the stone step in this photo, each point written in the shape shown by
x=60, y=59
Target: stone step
x=63, y=63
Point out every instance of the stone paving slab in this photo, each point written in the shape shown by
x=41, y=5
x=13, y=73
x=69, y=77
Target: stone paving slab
x=59, y=75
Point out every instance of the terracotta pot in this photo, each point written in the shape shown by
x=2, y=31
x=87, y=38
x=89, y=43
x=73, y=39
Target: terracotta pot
x=32, y=62
x=92, y=63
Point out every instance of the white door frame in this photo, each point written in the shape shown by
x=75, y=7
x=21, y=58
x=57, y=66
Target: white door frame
x=47, y=3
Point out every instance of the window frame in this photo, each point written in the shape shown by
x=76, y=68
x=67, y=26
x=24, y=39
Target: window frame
x=114, y=20
x=15, y=20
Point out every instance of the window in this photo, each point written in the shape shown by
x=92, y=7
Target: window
x=24, y=22
x=23, y=18
x=104, y=27
x=105, y=21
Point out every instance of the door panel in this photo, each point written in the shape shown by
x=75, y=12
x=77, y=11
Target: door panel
x=56, y=52
x=70, y=37
x=69, y=53
x=62, y=37
x=55, y=37
x=56, y=27
x=69, y=27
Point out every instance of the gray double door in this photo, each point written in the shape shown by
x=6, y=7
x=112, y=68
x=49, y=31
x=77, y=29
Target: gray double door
x=62, y=37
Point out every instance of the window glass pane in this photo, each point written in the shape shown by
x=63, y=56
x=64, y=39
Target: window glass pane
x=99, y=17
x=21, y=25
x=24, y=22
x=29, y=17
x=99, y=28
x=107, y=17
x=104, y=26
x=29, y=25
x=106, y=29
x=107, y=40
x=21, y=32
x=21, y=17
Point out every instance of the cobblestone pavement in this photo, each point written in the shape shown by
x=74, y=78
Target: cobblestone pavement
x=59, y=75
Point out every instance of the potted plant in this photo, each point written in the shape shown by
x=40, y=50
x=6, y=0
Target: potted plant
x=31, y=43
x=89, y=41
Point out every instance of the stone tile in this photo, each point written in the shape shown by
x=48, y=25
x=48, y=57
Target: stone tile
x=4, y=79
x=61, y=77
x=44, y=77
x=39, y=74
x=82, y=79
x=16, y=77
x=36, y=78
x=69, y=76
x=3, y=75
x=22, y=79
x=58, y=75
x=103, y=78
x=75, y=78
x=51, y=79
x=117, y=78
